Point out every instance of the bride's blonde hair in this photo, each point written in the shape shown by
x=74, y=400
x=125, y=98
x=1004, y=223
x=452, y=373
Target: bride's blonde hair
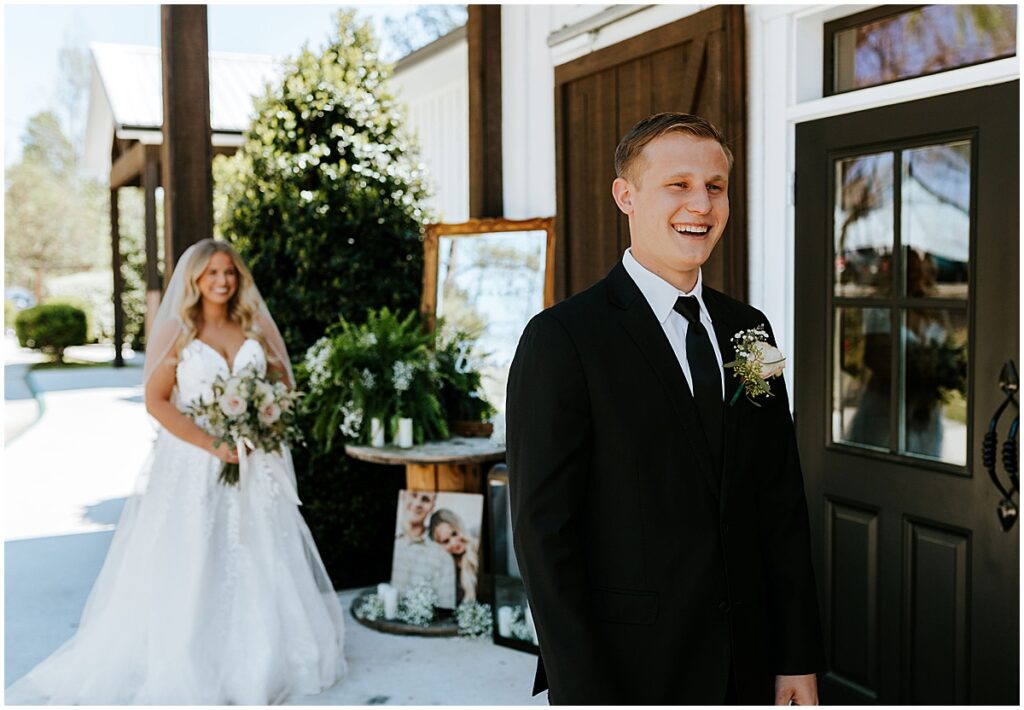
x=243, y=305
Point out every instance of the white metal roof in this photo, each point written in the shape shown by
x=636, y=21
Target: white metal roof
x=126, y=97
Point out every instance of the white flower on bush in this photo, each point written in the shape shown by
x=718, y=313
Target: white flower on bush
x=352, y=419
x=269, y=413
x=369, y=339
x=232, y=404
x=316, y=362
x=369, y=379
x=402, y=375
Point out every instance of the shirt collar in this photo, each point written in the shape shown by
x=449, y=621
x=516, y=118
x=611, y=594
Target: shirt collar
x=660, y=294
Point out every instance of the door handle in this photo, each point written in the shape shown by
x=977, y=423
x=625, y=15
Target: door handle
x=1007, y=510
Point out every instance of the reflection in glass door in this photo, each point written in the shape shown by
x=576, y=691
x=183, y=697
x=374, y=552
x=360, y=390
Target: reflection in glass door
x=901, y=236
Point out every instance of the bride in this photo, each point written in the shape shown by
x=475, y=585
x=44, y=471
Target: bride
x=210, y=594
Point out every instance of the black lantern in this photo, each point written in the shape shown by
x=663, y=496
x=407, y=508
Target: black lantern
x=513, y=623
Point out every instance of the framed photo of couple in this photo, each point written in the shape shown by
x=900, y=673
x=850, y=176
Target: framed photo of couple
x=437, y=543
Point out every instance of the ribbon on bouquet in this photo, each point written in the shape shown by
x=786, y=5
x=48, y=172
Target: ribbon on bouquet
x=277, y=472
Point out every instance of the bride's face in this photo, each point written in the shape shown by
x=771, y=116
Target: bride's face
x=450, y=538
x=219, y=280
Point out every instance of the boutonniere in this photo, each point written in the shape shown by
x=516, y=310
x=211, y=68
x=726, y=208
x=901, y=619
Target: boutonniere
x=756, y=362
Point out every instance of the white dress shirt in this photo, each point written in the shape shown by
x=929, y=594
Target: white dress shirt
x=661, y=297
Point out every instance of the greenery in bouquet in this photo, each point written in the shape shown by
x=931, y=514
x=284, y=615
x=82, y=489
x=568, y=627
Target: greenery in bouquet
x=248, y=408
x=460, y=392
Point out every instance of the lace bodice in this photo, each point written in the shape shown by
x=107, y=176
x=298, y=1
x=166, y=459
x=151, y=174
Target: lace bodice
x=200, y=364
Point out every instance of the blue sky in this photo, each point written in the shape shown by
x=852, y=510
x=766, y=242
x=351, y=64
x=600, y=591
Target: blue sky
x=34, y=34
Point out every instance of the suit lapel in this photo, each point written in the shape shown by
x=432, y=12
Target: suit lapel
x=643, y=328
x=725, y=328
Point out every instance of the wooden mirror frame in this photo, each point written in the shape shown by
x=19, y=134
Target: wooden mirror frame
x=488, y=225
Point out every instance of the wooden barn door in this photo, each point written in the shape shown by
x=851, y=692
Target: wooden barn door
x=694, y=65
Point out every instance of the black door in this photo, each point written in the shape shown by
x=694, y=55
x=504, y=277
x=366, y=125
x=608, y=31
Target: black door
x=907, y=239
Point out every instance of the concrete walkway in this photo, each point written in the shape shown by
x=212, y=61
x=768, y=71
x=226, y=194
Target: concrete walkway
x=66, y=476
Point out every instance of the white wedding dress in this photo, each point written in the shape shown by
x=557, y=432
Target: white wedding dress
x=209, y=594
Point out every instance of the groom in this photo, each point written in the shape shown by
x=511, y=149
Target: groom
x=660, y=523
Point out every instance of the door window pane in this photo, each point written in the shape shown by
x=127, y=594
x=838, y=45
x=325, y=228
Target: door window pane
x=935, y=219
x=934, y=390
x=863, y=225
x=862, y=364
x=921, y=41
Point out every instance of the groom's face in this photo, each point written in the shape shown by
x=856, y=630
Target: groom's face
x=677, y=201
x=418, y=505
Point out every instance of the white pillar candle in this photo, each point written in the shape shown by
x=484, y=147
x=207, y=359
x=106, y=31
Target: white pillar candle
x=404, y=438
x=505, y=621
x=529, y=624
x=390, y=602
x=381, y=589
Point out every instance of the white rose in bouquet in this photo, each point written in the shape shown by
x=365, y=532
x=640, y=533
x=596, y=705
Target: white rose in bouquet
x=233, y=385
x=269, y=413
x=232, y=404
x=264, y=391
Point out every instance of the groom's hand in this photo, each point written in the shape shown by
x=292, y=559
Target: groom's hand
x=796, y=689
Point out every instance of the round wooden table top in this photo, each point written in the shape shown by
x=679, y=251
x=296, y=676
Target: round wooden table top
x=457, y=450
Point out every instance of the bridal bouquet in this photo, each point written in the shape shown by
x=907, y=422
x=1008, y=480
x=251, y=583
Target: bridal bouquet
x=250, y=410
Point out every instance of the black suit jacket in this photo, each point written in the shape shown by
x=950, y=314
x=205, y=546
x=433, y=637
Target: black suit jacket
x=646, y=580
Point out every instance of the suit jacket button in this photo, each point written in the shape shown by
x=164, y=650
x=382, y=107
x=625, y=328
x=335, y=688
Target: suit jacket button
x=724, y=606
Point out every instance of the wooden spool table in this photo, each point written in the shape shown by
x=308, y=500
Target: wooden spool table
x=454, y=464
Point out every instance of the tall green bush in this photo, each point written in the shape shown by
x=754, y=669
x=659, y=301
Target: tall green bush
x=325, y=203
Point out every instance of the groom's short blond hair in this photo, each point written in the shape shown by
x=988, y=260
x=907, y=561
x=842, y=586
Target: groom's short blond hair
x=628, y=152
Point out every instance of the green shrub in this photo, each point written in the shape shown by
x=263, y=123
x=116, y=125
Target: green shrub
x=92, y=331
x=324, y=201
x=51, y=328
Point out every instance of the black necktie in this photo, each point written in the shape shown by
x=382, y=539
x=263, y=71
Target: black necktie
x=706, y=376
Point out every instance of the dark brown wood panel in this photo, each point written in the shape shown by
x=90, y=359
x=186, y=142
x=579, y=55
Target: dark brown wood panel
x=483, y=38
x=694, y=65
x=851, y=573
x=187, y=155
x=936, y=615
x=594, y=213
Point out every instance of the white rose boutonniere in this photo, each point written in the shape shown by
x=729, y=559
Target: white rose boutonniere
x=756, y=362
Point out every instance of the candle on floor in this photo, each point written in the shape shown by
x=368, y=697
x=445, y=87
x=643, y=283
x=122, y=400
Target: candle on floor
x=390, y=602
x=505, y=621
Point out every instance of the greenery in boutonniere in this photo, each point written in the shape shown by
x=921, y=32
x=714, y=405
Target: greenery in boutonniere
x=757, y=361
x=386, y=368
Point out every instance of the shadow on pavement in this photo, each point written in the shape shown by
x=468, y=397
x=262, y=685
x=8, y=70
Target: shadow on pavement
x=46, y=583
x=106, y=512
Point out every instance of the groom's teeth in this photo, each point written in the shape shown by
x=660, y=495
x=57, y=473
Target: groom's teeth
x=693, y=229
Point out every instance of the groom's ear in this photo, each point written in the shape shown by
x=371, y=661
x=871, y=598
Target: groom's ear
x=622, y=193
